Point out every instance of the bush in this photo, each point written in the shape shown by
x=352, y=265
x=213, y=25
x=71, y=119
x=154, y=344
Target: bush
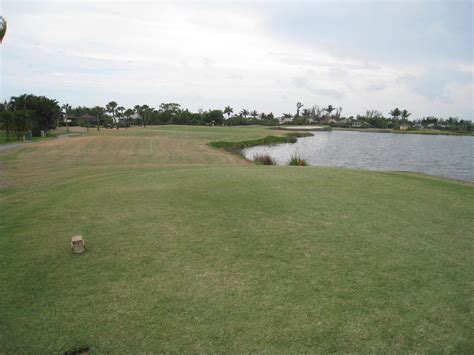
x=297, y=161
x=264, y=159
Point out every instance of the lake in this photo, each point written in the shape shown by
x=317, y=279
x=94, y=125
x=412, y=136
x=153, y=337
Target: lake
x=446, y=156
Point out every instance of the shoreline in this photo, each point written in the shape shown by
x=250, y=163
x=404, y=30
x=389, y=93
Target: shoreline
x=304, y=128
x=322, y=128
x=405, y=172
x=420, y=132
x=237, y=147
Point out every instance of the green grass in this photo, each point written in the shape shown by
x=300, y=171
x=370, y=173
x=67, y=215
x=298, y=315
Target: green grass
x=14, y=139
x=192, y=249
x=237, y=146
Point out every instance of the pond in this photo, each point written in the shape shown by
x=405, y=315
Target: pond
x=446, y=156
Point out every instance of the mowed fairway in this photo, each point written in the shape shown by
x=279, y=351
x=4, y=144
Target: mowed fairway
x=192, y=249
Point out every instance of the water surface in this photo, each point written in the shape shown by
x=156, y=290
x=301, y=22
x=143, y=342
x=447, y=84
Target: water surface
x=446, y=156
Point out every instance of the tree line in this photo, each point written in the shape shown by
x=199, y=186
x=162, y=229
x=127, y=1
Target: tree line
x=39, y=113
x=167, y=113
x=332, y=116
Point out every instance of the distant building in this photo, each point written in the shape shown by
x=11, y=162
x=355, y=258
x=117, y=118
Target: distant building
x=404, y=127
x=71, y=120
x=74, y=120
x=86, y=118
x=361, y=124
x=345, y=122
x=284, y=120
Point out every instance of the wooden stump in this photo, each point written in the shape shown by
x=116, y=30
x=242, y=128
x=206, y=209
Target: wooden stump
x=77, y=244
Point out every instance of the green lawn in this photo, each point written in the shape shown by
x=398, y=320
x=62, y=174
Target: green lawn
x=192, y=249
x=13, y=138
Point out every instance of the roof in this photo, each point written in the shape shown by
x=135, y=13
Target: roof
x=88, y=117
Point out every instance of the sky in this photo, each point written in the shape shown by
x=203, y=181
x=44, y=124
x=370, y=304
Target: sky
x=267, y=55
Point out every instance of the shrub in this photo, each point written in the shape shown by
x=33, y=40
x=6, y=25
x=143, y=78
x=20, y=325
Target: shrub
x=264, y=159
x=297, y=161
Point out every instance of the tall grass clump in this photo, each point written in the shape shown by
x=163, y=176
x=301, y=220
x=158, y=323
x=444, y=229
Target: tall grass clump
x=297, y=161
x=264, y=159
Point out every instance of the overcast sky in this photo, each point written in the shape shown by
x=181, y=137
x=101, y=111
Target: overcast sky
x=267, y=56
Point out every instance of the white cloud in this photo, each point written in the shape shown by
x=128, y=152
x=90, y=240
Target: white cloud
x=198, y=55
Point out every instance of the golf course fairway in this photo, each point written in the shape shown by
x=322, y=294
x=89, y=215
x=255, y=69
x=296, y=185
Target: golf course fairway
x=191, y=249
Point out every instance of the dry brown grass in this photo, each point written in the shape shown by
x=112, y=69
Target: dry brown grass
x=110, y=150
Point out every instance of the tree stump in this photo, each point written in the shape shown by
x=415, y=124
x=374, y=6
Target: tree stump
x=77, y=244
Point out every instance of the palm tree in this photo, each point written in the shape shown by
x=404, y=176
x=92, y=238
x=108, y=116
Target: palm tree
x=98, y=112
x=138, y=110
x=120, y=111
x=111, y=107
x=228, y=110
x=128, y=113
x=329, y=109
x=145, y=109
x=66, y=108
x=299, y=105
x=395, y=113
x=254, y=114
x=405, y=114
x=244, y=113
